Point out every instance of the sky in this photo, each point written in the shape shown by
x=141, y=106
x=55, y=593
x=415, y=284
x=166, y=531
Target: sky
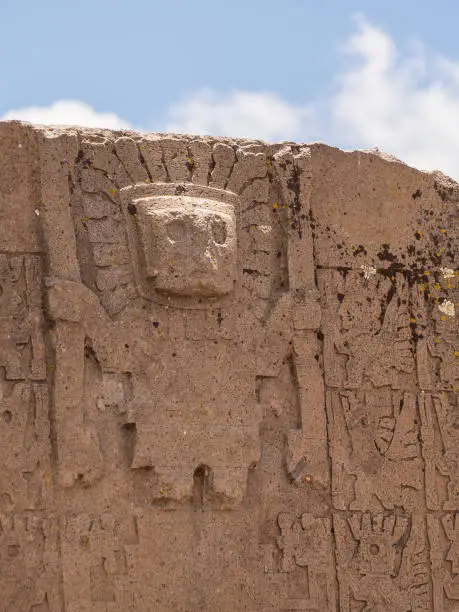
x=354, y=74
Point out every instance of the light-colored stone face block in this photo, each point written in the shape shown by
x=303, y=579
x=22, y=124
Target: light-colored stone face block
x=189, y=244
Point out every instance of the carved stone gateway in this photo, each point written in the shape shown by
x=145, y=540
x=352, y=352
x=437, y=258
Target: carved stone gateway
x=229, y=376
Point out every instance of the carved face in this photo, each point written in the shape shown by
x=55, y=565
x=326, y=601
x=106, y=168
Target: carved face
x=189, y=244
x=377, y=556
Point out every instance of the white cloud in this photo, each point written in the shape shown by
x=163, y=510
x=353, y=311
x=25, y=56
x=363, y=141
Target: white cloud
x=68, y=112
x=403, y=101
x=405, y=104
x=263, y=115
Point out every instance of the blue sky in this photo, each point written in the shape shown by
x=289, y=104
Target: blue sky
x=354, y=74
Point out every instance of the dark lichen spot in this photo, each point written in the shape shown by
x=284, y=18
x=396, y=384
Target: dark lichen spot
x=360, y=249
x=417, y=194
x=385, y=255
x=343, y=271
x=132, y=209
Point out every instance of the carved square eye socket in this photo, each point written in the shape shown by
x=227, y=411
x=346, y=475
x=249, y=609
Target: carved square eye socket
x=176, y=230
x=219, y=232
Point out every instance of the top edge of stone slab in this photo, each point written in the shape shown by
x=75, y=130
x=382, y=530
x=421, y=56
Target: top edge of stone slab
x=314, y=146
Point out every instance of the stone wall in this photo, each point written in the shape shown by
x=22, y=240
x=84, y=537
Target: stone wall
x=228, y=376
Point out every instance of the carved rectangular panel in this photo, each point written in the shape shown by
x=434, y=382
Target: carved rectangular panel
x=383, y=562
x=375, y=450
x=96, y=562
x=440, y=448
x=443, y=533
x=24, y=397
x=436, y=302
x=22, y=352
x=29, y=563
x=366, y=327
x=301, y=562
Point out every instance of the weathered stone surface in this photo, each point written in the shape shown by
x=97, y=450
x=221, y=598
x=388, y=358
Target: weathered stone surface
x=228, y=376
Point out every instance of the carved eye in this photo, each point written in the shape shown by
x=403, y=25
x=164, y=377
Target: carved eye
x=219, y=231
x=175, y=230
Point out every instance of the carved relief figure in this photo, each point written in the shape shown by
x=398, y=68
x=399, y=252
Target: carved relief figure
x=29, y=563
x=23, y=399
x=438, y=347
x=440, y=449
x=367, y=320
x=305, y=547
x=374, y=445
x=102, y=576
x=382, y=562
x=444, y=555
x=177, y=316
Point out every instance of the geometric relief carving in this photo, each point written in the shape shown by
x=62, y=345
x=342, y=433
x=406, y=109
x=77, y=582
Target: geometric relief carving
x=440, y=449
x=438, y=335
x=29, y=573
x=375, y=450
x=24, y=433
x=444, y=554
x=306, y=554
x=22, y=351
x=367, y=335
x=383, y=562
x=102, y=546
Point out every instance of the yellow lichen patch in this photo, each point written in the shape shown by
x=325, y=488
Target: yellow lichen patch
x=275, y=206
x=84, y=540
